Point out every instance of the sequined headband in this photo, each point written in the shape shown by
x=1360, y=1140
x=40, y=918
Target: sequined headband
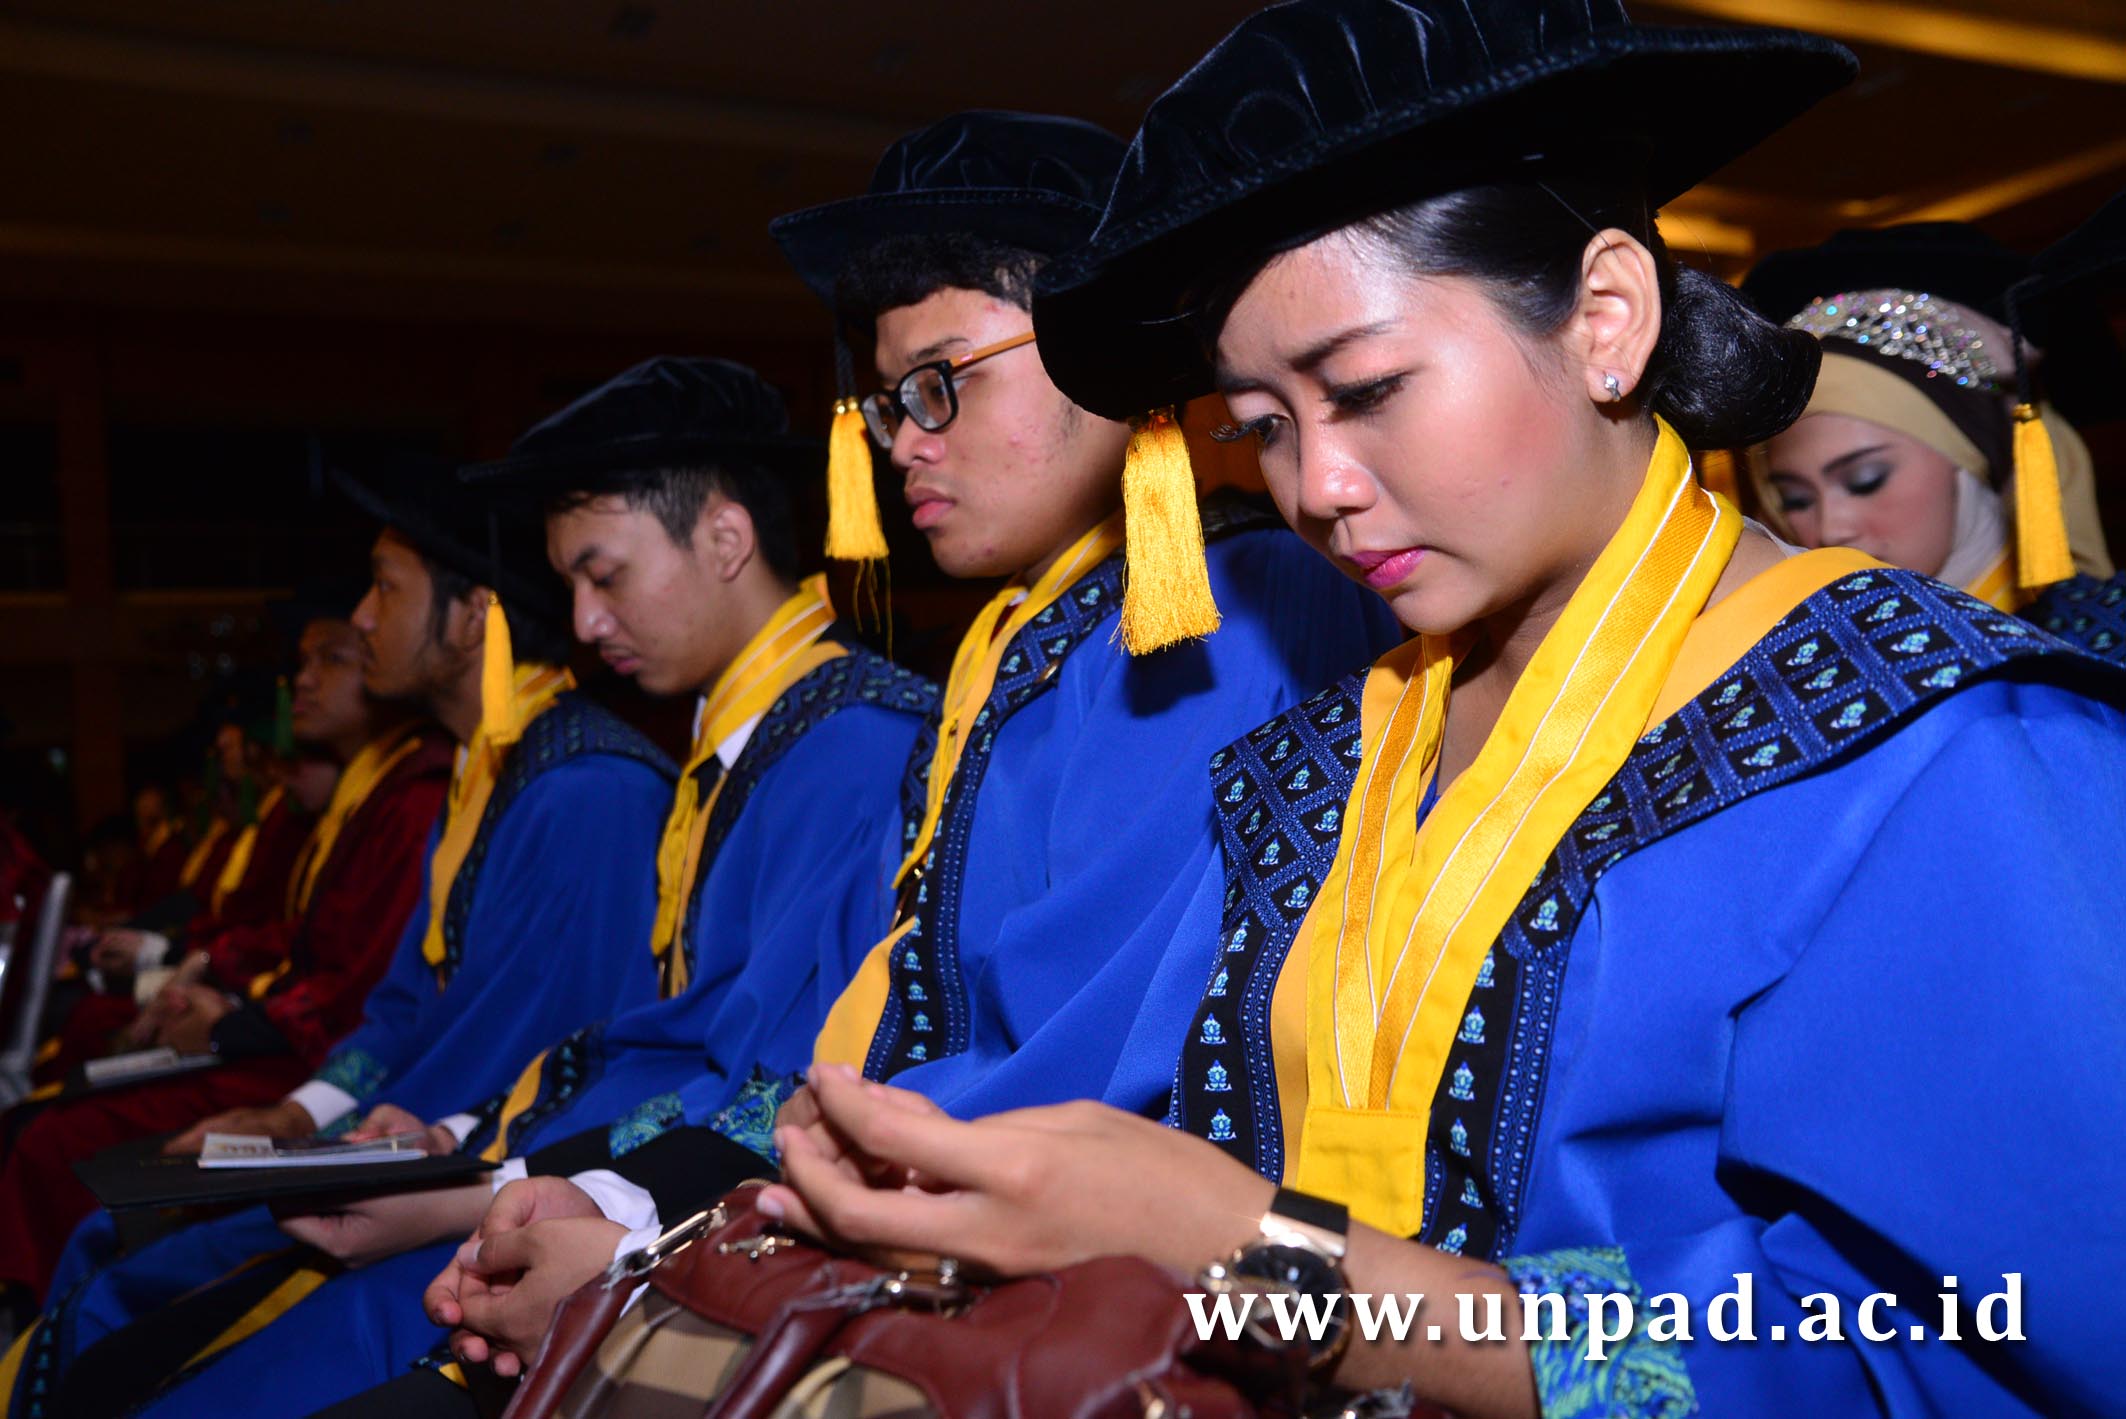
x=1903, y=325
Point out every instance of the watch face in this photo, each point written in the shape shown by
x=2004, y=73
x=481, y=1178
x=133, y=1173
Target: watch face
x=1282, y=1268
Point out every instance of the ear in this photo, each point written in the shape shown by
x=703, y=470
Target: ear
x=1618, y=321
x=725, y=533
x=465, y=626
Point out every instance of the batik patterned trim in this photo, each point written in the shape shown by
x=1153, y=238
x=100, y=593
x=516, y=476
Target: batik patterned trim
x=1834, y=676
x=915, y=782
x=565, y=1071
x=2086, y=613
x=1638, y=1377
x=574, y=727
x=925, y=1017
x=644, y=1122
x=861, y=677
x=749, y=1119
x=1280, y=793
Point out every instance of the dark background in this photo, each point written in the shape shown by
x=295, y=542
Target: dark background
x=228, y=227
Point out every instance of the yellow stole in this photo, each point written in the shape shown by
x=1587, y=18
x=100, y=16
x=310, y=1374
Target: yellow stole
x=1409, y=911
x=156, y=839
x=781, y=653
x=356, y=782
x=196, y=860
x=238, y=863
x=846, y=1037
x=1997, y=586
x=1719, y=638
x=533, y=690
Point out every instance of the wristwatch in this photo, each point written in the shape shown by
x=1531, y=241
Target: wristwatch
x=1298, y=1251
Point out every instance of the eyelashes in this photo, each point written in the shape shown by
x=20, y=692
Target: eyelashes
x=1348, y=401
x=1365, y=398
x=1263, y=430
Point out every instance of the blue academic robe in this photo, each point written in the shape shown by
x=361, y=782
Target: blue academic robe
x=788, y=899
x=1895, y=1008
x=1046, y=969
x=1823, y=988
x=2085, y=612
x=549, y=938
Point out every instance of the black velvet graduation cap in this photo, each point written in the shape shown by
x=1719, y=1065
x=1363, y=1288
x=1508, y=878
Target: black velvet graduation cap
x=667, y=412
x=421, y=498
x=1953, y=260
x=1033, y=181
x=2063, y=306
x=1029, y=180
x=2084, y=370
x=2088, y=263
x=1315, y=113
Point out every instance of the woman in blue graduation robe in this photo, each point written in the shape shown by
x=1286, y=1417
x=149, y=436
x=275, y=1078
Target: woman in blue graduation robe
x=1675, y=915
x=1922, y=444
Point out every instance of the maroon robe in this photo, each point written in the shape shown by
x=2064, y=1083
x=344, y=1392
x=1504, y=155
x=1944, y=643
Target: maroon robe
x=335, y=951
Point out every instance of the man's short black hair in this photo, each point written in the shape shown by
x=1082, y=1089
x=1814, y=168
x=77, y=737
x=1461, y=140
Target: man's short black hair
x=675, y=497
x=903, y=270
x=532, y=636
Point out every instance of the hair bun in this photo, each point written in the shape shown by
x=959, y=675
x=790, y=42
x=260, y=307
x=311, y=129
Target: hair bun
x=1721, y=374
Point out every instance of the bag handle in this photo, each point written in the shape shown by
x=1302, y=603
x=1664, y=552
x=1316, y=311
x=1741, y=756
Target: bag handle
x=791, y=1342
x=587, y=1315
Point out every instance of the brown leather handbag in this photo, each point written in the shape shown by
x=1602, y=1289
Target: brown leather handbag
x=743, y=1321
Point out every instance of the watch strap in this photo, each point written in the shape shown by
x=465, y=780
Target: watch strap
x=1301, y=1219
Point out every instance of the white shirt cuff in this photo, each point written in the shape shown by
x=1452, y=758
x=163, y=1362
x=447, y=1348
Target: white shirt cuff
x=148, y=983
x=326, y=1103
x=511, y=1170
x=153, y=950
x=637, y=1240
x=461, y=1126
x=620, y=1200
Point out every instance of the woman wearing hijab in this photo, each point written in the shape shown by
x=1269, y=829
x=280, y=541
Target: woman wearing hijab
x=1908, y=448
x=1488, y=999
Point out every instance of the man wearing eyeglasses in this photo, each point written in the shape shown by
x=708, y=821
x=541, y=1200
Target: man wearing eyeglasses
x=1059, y=886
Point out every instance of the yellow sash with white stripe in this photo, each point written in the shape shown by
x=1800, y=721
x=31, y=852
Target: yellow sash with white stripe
x=1408, y=911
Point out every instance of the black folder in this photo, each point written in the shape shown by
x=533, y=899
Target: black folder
x=138, y=1174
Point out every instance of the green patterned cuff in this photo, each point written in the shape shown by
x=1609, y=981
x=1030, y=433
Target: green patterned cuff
x=354, y=1073
x=643, y=1122
x=1637, y=1377
x=749, y=1119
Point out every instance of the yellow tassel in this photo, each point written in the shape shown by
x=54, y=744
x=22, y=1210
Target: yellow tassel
x=2041, y=554
x=853, y=532
x=1168, y=597
x=498, y=675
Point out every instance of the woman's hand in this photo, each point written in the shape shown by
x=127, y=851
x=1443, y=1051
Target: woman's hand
x=467, y=1280
x=1011, y=1194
